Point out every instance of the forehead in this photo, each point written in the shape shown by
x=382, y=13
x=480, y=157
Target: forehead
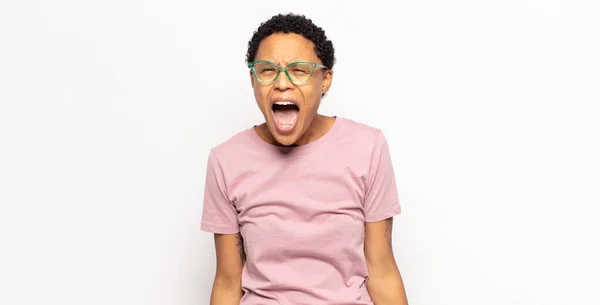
x=285, y=48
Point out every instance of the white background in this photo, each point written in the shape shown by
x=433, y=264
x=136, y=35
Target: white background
x=108, y=110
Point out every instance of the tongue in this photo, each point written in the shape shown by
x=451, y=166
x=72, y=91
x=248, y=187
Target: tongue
x=286, y=116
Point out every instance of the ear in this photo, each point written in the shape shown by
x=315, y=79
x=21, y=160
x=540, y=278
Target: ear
x=326, y=82
x=251, y=78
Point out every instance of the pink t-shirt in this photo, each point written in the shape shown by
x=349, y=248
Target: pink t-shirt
x=301, y=211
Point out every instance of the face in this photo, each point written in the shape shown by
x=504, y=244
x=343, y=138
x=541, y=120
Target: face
x=288, y=108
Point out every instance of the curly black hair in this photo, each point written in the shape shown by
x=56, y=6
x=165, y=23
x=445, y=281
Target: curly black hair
x=298, y=24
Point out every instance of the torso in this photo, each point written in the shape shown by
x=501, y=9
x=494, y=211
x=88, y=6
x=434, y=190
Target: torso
x=301, y=214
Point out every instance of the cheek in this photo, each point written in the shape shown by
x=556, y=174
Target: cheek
x=261, y=95
x=261, y=92
x=314, y=90
x=312, y=95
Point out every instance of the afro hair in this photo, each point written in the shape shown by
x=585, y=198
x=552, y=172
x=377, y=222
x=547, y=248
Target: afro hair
x=298, y=24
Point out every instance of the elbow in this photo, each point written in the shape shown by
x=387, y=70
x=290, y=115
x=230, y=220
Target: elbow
x=387, y=290
x=226, y=290
x=386, y=287
x=228, y=280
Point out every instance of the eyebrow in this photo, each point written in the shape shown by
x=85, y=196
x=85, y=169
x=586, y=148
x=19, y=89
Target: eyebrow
x=286, y=62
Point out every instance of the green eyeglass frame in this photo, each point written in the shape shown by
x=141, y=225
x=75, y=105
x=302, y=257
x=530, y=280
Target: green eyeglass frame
x=284, y=69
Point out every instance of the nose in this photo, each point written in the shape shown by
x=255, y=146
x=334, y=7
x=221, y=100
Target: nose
x=283, y=83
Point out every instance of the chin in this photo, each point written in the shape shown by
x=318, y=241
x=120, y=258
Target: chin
x=286, y=141
x=287, y=138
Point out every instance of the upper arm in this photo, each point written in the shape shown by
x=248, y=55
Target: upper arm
x=219, y=214
x=385, y=283
x=230, y=257
x=380, y=205
x=227, y=286
x=378, y=245
x=381, y=196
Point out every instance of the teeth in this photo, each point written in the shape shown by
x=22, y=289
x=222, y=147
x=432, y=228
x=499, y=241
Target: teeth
x=284, y=103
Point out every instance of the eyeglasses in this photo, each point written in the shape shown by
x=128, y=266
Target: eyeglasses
x=298, y=72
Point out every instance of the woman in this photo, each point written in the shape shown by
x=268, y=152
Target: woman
x=301, y=206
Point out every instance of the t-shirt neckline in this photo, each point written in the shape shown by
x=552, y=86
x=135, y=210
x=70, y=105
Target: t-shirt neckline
x=257, y=140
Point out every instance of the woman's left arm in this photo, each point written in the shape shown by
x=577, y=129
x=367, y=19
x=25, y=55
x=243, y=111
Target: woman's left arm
x=384, y=284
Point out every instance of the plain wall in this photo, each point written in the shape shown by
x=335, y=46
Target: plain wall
x=108, y=110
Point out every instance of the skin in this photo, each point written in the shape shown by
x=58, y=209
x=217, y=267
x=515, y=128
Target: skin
x=284, y=49
x=227, y=285
x=385, y=284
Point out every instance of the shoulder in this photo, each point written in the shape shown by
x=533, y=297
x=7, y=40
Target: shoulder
x=362, y=134
x=233, y=146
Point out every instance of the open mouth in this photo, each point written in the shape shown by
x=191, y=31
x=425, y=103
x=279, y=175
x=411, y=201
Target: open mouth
x=285, y=114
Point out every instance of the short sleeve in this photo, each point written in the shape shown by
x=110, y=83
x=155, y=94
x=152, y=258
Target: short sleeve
x=218, y=214
x=381, y=200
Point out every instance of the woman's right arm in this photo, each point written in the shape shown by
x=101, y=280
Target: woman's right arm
x=227, y=286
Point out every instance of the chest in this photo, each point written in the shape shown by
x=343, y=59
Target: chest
x=301, y=207
x=300, y=189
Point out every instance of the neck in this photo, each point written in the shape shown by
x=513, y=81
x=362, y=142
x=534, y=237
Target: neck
x=319, y=126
